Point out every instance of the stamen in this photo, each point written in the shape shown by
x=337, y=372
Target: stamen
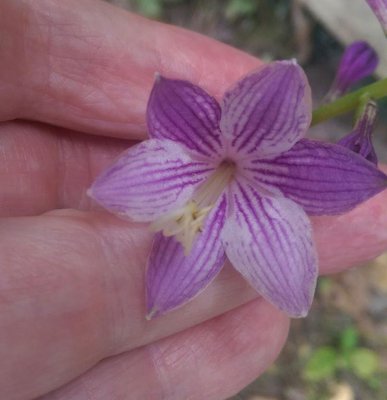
x=186, y=222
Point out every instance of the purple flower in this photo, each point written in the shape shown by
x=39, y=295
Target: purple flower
x=379, y=7
x=360, y=139
x=234, y=181
x=358, y=61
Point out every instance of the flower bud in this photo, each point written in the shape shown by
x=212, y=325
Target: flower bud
x=360, y=139
x=358, y=61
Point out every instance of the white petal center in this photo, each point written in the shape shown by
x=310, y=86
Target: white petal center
x=186, y=222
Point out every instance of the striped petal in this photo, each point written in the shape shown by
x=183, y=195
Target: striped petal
x=183, y=112
x=273, y=248
x=324, y=178
x=173, y=278
x=149, y=180
x=267, y=112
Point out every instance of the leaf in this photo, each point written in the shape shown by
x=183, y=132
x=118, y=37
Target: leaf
x=325, y=286
x=349, y=339
x=321, y=365
x=150, y=8
x=240, y=8
x=364, y=362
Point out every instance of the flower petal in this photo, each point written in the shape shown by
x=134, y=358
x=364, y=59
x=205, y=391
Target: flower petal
x=183, y=112
x=269, y=241
x=324, y=178
x=268, y=111
x=149, y=180
x=173, y=278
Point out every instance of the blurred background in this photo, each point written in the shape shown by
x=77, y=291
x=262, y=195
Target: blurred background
x=340, y=351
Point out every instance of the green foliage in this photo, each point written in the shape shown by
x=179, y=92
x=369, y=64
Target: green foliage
x=150, y=8
x=349, y=339
x=325, y=286
x=363, y=362
x=240, y=8
x=326, y=361
x=321, y=365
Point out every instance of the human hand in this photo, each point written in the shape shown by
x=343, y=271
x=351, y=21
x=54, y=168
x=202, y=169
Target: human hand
x=72, y=277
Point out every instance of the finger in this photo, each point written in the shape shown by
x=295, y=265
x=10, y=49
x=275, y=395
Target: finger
x=89, y=66
x=213, y=360
x=44, y=167
x=72, y=293
x=351, y=239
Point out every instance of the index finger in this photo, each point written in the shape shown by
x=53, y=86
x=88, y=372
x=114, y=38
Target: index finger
x=89, y=66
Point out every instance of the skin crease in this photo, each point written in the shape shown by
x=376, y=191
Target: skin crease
x=71, y=292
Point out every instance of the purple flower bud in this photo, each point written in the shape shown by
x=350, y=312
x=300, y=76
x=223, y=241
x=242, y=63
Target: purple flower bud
x=360, y=139
x=358, y=61
x=379, y=7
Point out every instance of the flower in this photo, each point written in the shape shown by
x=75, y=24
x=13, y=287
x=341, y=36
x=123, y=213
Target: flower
x=234, y=181
x=360, y=139
x=379, y=7
x=358, y=61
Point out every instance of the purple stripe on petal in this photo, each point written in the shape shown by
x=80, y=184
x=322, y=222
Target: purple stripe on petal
x=173, y=278
x=269, y=241
x=149, y=180
x=268, y=111
x=324, y=178
x=379, y=7
x=183, y=112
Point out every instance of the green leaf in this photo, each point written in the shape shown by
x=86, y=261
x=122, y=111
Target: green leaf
x=374, y=382
x=349, y=339
x=240, y=8
x=324, y=285
x=321, y=365
x=364, y=362
x=150, y=8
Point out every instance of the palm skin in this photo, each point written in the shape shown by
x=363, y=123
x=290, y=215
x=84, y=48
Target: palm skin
x=72, y=307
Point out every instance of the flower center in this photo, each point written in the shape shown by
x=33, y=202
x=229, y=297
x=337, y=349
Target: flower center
x=186, y=222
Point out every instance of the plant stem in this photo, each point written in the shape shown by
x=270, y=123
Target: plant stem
x=349, y=102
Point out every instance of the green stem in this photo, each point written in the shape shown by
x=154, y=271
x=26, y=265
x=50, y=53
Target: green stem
x=349, y=102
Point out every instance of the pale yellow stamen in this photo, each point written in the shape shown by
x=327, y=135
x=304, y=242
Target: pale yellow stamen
x=186, y=222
